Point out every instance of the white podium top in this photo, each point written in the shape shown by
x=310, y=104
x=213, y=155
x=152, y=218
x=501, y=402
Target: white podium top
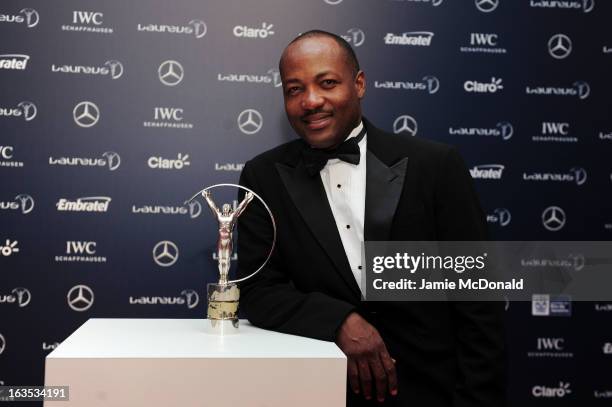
x=184, y=338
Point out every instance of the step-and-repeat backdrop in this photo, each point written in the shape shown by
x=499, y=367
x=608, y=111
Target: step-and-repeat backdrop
x=112, y=114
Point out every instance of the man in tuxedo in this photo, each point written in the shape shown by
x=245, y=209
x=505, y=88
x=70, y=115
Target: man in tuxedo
x=345, y=181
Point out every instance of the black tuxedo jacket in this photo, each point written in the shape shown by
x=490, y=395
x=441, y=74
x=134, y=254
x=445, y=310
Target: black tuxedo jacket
x=448, y=354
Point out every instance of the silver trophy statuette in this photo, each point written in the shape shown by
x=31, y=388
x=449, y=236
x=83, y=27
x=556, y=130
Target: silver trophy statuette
x=223, y=296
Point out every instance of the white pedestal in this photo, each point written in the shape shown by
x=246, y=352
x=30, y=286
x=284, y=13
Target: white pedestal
x=175, y=362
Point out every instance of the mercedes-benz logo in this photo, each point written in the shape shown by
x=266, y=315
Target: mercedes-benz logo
x=31, y=15
x=405, y=124
x=165, y=253
x=356, y=37
x=80, y=298
x=112, y=159
x=29, y=110
x=26, y=203
x=250, y=121
x=559, y=46
x=86, y=114
x=170, y=73
x=23, y=296
x=192, y=298
x=115, y=67
x=199, y=28
x=333, y=2
x=553, y=218
x=505, y=129
x=2, y=344
x=486, y=6
x=432, y=83
x=582, y=88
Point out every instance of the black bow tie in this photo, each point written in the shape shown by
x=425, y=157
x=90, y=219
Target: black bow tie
x=348, y=151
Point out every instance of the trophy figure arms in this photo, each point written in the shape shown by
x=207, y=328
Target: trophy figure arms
x=227, y=220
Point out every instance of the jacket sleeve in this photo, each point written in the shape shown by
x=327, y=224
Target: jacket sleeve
x=478, y=326
x=269, y=299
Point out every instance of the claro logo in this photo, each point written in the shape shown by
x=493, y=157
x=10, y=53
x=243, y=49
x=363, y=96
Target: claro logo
x=552, y=392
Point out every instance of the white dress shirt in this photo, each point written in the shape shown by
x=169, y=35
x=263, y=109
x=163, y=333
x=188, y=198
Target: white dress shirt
x=345, y=186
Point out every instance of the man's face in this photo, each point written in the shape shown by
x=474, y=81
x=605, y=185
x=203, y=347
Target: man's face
x=322, y=94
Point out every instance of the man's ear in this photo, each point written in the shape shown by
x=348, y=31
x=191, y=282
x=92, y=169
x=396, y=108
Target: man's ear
x=360, y=84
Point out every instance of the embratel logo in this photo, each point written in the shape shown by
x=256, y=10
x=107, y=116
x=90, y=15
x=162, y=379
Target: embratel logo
x=229, y=167
x=23, y=203
x=18, y=62
x=80, y=298
x=111, y=68
x=9, y=247
x=486, y=6
x=80, y=251
x=181, y=161
x=243, y=31
x=86, y=204
x=6, y=157
x=550, y=347
x=168, y=117
x=429, y=84
x=487, y=171
x=189, y=298
x=559, y=392
x=272, y=77
x=354, y=36
x=405, y=124
x=586, y=6
x=576, y=175
x=87, y=21
x=19, y=296
x=165, y=253
x=486, y=43
x=86, y=114
x=197, y=28
x=545, y=305
x=27, y=16
x=193, y=209
x=26, y=110
x=493, y=86
x=109, y=159
x=500, y=216
x=580, y=89
x=411, y=38
x=559, y=46
x=503, y=130
x=555, y=132
x=170, y=73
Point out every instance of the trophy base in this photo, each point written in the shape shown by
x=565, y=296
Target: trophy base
x=223, y=327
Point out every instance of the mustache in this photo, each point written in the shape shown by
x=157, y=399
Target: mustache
x=314, y=112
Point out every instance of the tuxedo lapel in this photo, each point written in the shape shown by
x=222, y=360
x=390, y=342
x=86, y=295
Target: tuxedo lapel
x=308, y=195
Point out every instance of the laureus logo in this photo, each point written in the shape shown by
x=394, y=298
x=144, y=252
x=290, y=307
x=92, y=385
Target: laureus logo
x=354, y=36
x=29, y=16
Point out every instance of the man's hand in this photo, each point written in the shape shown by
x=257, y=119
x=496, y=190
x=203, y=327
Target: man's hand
x=368, y=359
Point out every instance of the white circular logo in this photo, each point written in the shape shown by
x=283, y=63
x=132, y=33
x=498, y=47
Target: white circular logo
x=80, y=298
x=115, y=67
x=165, y=253
x=553, y=218
x=587, y=5
x=2, y=344
x=503, y=216
x=250, y=121
x=86, y=114
x=195, y=209
x=170, y=73
x=29, y=110
x=559, y=46
x=583, y=89
x=486, y=6
x=23, y=296
x=436, y=3
x=199, y=28
x=505, y=129
x=32, y=17
x=112, y=159
x=192, y=298
x=432, y=83
x=405, y=124
x=355, y=37
x=580, y=175
x=26, y=203
x=333, y=2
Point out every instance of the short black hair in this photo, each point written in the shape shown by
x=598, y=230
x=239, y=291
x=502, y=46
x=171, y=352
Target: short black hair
x=351, y=57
